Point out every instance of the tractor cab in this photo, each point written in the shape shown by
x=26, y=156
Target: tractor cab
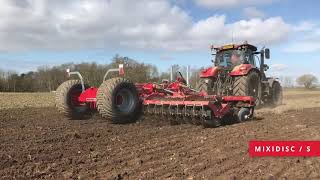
x=232, y=55
x=231, y=58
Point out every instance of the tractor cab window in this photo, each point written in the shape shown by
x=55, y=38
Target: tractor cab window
x=233, y=57
x=256, y=61
x=229, y=58
x=223, y=59
x=249, y=57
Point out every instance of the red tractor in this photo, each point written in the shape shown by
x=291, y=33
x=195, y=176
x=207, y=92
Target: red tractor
x=239, y=71
x=121, y=101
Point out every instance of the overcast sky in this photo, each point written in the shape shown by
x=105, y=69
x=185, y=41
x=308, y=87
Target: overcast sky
x=162, y=32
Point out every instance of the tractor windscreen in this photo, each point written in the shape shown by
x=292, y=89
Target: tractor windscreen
x=231, y=57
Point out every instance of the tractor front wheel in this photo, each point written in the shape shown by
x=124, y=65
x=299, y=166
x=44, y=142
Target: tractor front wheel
x=118, y=101
x=276, y=94
x=248, y=85
x=205, y=85
x=67, y=102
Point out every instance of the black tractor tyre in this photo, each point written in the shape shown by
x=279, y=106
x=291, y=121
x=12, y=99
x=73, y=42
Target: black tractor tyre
x=276, y=94
x=118, y=101
x=66, y=100
x=248, y=85
x=204, y=84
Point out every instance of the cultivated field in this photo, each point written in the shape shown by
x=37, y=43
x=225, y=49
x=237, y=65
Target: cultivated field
x=37, y=142
x=297, y=99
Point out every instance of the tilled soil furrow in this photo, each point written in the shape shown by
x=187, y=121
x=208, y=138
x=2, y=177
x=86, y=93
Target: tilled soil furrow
x=216, y=168
x=40, y=143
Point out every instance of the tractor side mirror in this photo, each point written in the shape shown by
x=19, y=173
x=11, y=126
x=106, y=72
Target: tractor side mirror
x=267, y=53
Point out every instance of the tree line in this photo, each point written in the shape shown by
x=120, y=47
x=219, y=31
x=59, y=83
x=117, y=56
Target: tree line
x=46, y=79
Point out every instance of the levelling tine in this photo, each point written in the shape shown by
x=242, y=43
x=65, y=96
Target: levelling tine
x=202, y=116
x=148, y=109
x=154, y=109
x=162, y=110
x=194, y=120
x=170, y=110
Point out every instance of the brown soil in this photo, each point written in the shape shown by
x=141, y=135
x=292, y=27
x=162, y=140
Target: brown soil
x=40, y=143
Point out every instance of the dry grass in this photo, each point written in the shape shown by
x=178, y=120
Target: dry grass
x=294, y=99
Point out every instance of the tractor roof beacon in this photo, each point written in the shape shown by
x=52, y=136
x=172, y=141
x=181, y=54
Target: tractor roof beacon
x=239, y=70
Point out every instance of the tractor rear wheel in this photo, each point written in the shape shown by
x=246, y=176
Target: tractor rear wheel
x=67, y=102
x=248, y=85
x=118, y=101
x=276, y=94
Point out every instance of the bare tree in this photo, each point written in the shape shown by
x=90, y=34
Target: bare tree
x=307, y=80
x=286, y=81
x=195, y=76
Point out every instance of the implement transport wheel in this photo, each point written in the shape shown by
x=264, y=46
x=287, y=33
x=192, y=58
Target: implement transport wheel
x=118, y=101
x=276, y=94
x=67, y=102
x=248, y=85
x=243, y=115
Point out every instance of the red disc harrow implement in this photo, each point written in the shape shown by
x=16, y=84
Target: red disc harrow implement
x=121, y=101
